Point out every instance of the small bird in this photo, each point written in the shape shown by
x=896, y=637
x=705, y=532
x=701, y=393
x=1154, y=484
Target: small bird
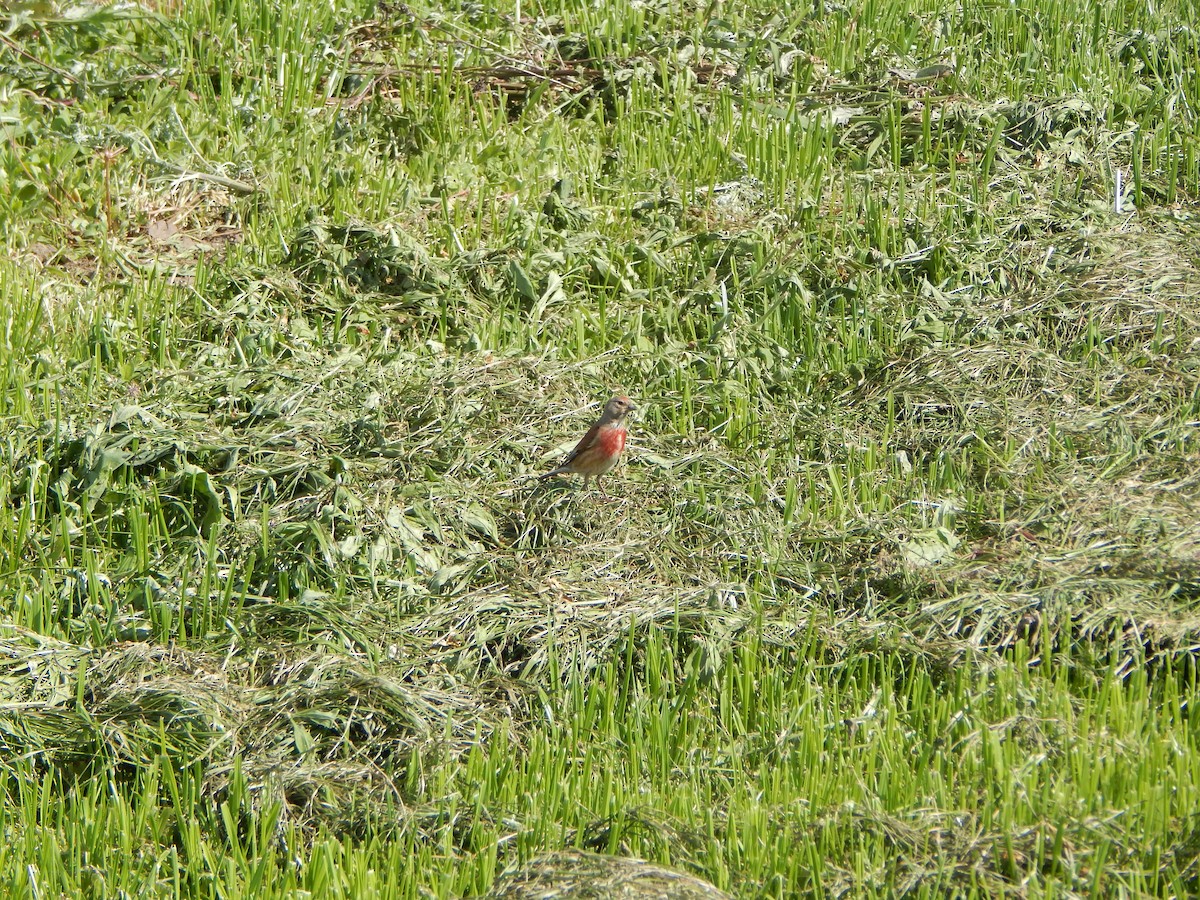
x=599, y=450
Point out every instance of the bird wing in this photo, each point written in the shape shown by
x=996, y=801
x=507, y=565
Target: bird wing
x=585, y=442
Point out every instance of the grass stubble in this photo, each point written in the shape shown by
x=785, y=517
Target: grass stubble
x=897, y=591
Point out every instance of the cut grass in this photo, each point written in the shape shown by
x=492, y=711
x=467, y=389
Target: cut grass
x=897, y=594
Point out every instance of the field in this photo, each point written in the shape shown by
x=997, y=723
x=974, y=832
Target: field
x=896, y=593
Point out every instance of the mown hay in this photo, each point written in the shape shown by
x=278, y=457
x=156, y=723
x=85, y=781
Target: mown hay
x=578, y=875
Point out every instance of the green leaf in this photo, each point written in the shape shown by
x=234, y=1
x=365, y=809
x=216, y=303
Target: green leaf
x=302, y=738
x=481, y=522
x=524, y=286
x=928, y=548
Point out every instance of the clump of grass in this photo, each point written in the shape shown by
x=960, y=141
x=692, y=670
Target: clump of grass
x=588, y=875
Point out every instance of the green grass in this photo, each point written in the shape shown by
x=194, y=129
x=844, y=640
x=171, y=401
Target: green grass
x=896, y=594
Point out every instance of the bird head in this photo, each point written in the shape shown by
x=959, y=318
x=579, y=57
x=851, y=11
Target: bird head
x=616, y=409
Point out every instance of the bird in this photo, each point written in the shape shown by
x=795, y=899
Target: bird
x=600, y=449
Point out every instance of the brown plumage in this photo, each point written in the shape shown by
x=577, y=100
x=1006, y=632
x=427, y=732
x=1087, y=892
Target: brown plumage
x=600, y=449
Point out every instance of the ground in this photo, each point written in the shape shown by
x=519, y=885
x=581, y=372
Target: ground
x=895, y=592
